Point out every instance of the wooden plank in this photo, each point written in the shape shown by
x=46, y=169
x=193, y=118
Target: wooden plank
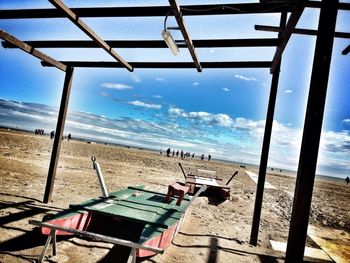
x=58, y=134
x=30, y=50
x=181, y=23
x=266, y=146
x=151, y=11
x=287, y=33
x=312, y=132
x=346, y=50
x=333, y=241
x=200, y=43
x=148, y=11
x=310, y=252
x=225, y=64
x=88, y=31
x=301, y=31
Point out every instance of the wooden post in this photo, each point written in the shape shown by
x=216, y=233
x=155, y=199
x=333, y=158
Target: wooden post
x=265, y=148
x=58, y=134
x=312, y=132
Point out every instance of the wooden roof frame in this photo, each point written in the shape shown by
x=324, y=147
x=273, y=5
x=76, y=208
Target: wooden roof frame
x=315, y=106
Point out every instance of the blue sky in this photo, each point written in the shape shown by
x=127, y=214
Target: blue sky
x=218, y=111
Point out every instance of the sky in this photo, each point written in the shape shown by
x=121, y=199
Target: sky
x=218, y=111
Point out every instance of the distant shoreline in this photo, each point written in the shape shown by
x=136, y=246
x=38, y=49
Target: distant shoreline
x=270, y=170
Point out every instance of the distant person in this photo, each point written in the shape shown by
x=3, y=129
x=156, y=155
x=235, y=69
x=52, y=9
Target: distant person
x=182, y=154
x=209, y=157
x=177, y=153
x=168, y=152
x=69, y=137
x=347, y=180
x=202, y=157
x=52, y=135
x=192, y=155
x=173, y=153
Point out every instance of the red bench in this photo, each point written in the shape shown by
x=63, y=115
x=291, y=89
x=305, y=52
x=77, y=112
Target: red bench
x=176, y=189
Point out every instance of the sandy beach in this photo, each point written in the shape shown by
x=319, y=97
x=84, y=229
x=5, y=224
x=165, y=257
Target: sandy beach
x=213, y=231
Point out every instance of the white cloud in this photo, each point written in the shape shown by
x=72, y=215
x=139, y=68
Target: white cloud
x=104, y=94
x=288, y=91
x=203, y=117
x=136, y=78
x=159, y=79
x=145, y=105
x=212, y=50
x=157, y=96
x=195, y=83
x=117, y=86
x=346, y=121
x=245, y=78
x=226, y=89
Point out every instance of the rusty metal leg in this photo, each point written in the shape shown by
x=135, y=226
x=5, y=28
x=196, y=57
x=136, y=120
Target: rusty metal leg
x=48, y=240
x=132, y=257
x=54, y=250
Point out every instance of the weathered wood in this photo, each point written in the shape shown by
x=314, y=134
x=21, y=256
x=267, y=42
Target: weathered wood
x=266, y=146
x=346, y=50
x=30, y=50
x=287, y=32
x=107, y=64
x=181, y=23
x=58, y=134
x=151, y=11
x=312, y=132
x=88, y=31
x=301, y=31
x=148, y=11
x=200, y=43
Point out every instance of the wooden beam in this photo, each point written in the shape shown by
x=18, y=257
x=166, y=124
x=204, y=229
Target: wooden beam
x=181, y=23
x=30, y=50
x=266, y=147
x=178, y=65
x=88, y=31
x=58, y=134
x=301, y=31
x=151, y=11
x=148, y=11
x=346, y=50
x=312, y=132
x=200, y=43
x=292, y=22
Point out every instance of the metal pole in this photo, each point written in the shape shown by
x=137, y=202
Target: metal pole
x=58, y=134
x=265, y=148
x=312, y=132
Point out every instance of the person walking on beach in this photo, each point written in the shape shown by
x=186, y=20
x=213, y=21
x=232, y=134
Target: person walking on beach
x=182, y=154
x=168, y=152
x=209, y=157
x=177, y=153
x=202, y=156
x=347, y=180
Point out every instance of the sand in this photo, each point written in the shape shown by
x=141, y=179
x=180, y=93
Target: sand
x=213, y=231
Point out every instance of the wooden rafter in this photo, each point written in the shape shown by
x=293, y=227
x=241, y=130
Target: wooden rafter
x=30, y=50
x=112, y=64
x=181, y=23
x=191, y=10
x=204, y=43
x=346, y=50
x=88, y=31
x=144, y=11
x=292, y=22
x=301, y=31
